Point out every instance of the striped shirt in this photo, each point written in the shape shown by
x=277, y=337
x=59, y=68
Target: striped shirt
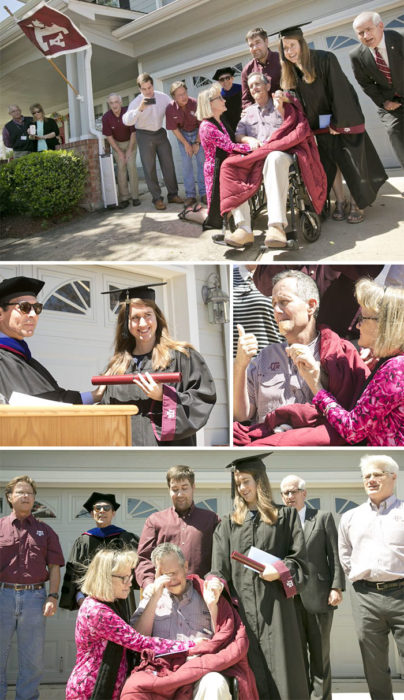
x=253, y=310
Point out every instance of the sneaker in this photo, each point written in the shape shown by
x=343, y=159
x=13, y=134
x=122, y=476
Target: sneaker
x=136, y=202
x=159, y=204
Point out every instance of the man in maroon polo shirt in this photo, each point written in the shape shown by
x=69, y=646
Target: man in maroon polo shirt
x=30, y=555
x=184, y=524
x=122, y=140
x=263, y=61
x=181, y=120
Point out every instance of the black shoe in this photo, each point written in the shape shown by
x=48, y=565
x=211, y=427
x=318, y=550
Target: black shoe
x=124, y=204
x=136, y=202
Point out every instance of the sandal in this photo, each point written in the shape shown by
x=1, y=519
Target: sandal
x=339, y=213
x=196, y=214
x=355, y=216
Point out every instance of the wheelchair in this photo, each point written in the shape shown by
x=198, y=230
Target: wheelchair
x=303, y=218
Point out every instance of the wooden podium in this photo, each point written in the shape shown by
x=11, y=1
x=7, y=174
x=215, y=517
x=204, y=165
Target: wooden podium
x=51, y=426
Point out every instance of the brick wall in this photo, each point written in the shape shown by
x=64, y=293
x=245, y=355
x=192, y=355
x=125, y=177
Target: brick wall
x=93, y=193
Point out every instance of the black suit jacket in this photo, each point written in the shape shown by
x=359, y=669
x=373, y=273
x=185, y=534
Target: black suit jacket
x=325, y=571
x=371, y=80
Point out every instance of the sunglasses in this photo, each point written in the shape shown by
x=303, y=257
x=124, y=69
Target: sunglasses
x=37, y=111
x=124, y=579
x=366, y=318
x=106, y=507
x=26, y=306
x=225, y=77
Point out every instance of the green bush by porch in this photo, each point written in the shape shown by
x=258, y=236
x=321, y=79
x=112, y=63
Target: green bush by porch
x=42, y=184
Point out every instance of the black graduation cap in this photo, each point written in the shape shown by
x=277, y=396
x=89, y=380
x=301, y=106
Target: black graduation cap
x=97, y=497
x=144, y=292
x=245, y=463
x=223, y=71
x=290, y=31
x=18, y=286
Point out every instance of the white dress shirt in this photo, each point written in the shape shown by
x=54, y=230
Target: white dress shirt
x=152, y=117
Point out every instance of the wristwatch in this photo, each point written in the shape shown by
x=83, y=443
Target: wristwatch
x=53, y=595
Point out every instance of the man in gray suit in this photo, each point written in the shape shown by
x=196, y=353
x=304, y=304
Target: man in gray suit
x=378, y=65
x=315, y=604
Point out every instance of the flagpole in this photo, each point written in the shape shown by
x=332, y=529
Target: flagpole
x=52, y=63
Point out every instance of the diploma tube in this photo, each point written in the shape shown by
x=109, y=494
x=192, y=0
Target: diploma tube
x=158, y=377
x=256, y=565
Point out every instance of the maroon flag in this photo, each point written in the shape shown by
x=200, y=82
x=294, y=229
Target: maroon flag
x=52, y=32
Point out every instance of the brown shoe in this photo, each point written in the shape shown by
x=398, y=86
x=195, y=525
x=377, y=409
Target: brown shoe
x=275, y=238
x=159, y=204
x=190, y=201
x=174, y=199
x=239, y=238
x=204, y=199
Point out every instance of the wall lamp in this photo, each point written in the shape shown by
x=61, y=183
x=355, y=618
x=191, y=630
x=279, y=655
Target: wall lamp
x=216, y=300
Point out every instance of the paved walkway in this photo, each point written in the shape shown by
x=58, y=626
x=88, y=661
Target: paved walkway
x=146, y=234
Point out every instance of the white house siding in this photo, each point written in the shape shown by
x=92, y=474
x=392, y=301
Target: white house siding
x=75, y=346
x=65, y=478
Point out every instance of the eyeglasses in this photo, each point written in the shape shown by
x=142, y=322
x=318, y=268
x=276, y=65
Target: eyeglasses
x=219, y=97
x=124, y=579
x=291, y=492
x=26, y=306
x=366, y=318
x=223, y=78
x=374, y=475
x=105, y=507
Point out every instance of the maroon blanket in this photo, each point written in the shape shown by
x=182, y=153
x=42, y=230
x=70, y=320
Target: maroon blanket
x=174, y=677
x=240, y=176
x=347, y=375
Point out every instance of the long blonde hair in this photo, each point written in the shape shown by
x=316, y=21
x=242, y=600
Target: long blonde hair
x=97, y=581
x=388, y=304
x=288, y=74
x=266, y=508
x=125, y=344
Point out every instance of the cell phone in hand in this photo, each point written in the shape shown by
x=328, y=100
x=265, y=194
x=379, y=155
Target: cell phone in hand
x=149, y=100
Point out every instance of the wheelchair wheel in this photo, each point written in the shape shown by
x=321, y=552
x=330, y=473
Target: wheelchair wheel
x=310, y=226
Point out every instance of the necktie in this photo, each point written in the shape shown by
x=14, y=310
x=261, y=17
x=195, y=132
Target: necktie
x=382, y=65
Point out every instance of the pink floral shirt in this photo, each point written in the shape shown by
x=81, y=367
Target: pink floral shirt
x=96, y=625
x=211, y=138
x=378, y=416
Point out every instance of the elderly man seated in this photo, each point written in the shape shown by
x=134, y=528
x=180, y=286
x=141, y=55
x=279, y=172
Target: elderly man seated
x=257, y=125
x=274, y=127
x=266, y=386
x=178, y=606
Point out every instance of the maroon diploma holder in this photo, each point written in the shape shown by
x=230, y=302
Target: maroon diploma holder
x=158, y=377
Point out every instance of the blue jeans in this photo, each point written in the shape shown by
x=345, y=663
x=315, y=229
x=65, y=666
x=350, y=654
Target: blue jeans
x=21, y=611
x=187, y=166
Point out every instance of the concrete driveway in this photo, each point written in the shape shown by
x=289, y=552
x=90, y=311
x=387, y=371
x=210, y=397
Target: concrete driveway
x=146, y=234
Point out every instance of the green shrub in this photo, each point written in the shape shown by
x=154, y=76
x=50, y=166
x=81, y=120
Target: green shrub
x=6, y=186
x=43, y=184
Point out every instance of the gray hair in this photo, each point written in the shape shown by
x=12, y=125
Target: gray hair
x=263, y=78
x=166, y=549
x=383, y=461
x=301, y=484
x=306, y=287
x=114, y=94
x=12, y=107
x=374, y=16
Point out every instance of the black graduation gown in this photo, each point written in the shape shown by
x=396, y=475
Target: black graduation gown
x=194, y=400
x=275, y=653
x=332, y=93
x=233, y=104
x=83, y=550
x=30, y=377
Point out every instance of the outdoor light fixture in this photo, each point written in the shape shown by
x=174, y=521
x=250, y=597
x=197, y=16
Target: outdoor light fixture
x=216, y=300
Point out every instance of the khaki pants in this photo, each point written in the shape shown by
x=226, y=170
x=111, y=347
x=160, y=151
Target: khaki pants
x=125, y=170
x=213, y=686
